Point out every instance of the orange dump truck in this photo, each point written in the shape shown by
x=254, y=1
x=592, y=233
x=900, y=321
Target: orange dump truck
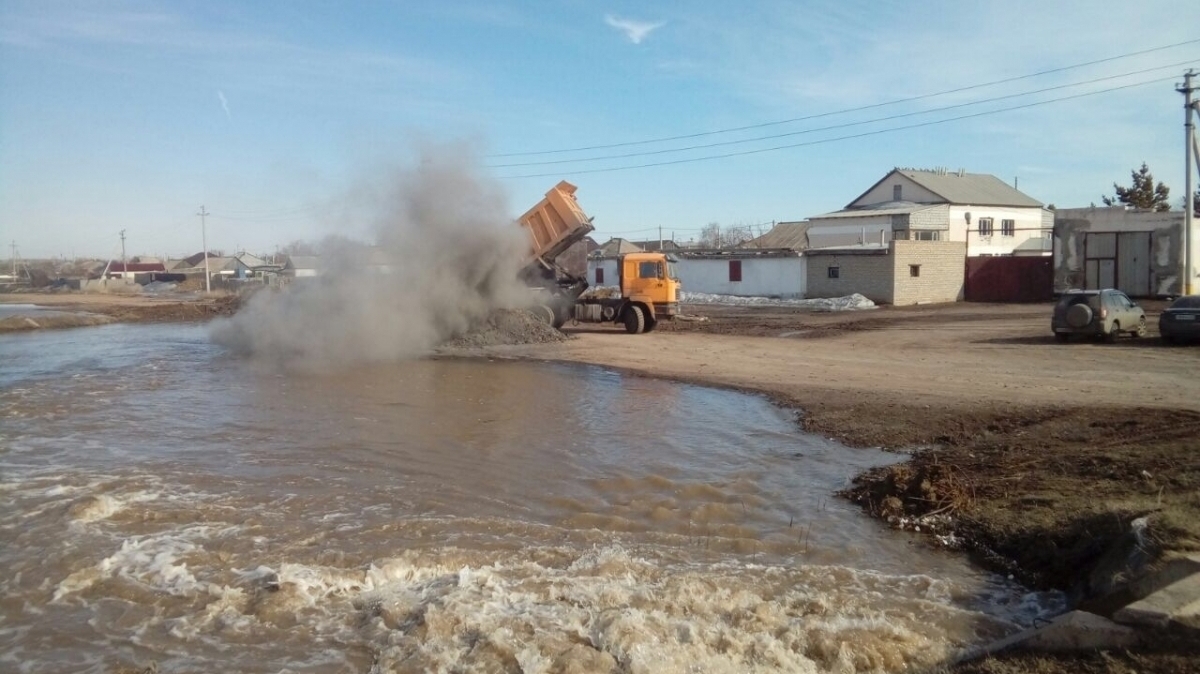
x=648, y=284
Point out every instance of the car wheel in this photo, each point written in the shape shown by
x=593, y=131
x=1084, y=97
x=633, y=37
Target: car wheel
x=1062, y=337
x=1113, y=332
x=1141, y=328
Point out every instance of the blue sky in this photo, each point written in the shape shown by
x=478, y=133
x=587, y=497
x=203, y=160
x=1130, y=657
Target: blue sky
x=282, y=118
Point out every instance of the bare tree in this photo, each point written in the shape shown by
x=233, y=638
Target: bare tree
x=713, y=235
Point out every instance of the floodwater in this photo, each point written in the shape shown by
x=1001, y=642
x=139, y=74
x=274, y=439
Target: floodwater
x=162, y=502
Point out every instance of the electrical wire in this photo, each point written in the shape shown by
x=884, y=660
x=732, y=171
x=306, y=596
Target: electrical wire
x=822, y=141
x=845, y=125
x=909, y=99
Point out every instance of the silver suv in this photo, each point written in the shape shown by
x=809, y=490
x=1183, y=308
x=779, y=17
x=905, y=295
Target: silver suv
x=1097, y=313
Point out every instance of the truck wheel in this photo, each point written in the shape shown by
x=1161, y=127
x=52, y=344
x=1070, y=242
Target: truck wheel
x=651, y=323
x=543, y=313
x=635, y=319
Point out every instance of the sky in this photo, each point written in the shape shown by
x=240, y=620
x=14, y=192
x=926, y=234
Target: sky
x=287, y=119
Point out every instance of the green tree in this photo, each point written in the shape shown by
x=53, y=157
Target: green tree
x=1143, y=193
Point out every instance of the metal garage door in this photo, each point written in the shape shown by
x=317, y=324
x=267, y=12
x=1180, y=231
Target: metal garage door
x=1133, y=263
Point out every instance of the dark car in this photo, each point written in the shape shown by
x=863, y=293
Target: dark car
x=1097, y=313
x=1180, y=321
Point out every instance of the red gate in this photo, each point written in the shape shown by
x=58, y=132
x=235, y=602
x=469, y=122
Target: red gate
x=1009, y=279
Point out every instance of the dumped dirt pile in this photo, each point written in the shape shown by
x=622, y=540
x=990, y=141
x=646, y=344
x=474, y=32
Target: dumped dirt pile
x=508, y=326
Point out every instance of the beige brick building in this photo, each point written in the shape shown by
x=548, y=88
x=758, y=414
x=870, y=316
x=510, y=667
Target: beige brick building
x=902, y=272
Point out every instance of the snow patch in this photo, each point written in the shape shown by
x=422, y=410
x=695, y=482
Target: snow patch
x=853, y=302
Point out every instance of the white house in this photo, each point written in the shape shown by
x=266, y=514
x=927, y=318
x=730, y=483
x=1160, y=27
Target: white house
x=990, y=216
x=744, y=272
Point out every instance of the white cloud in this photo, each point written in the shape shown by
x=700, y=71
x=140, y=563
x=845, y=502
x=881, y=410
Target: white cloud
x=636, y=31
x=224, y=104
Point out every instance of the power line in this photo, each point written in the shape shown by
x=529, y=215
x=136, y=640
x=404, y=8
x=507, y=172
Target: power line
x=844, y=125
x=846, y=110
x=838, y=138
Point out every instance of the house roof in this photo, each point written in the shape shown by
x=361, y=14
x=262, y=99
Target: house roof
x=618, y=246
x=195, y=260
x=654, y=245
x=793, y=235
x=253, y=261
x=135, y=267
x=854, y=249
x=960, y=187
x=303, y=262
x=887, y=208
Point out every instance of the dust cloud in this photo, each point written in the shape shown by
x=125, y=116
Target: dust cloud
x=446, y=254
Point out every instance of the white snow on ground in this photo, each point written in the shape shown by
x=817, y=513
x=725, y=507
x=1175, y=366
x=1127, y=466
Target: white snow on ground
x=853, y=302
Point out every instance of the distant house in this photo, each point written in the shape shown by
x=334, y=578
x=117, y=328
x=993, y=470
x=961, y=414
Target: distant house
x=859, y=248
x=123, y=270
x=989, y=215
x=301, y=266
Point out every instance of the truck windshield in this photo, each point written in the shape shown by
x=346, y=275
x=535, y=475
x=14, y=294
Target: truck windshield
x=671, y=271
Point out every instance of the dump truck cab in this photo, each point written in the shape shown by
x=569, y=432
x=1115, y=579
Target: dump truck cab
x=650, y=280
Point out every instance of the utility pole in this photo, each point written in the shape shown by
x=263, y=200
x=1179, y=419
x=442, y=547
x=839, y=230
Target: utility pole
x=14, y=260
x=124, y=270
x=1189, y=191
x=660, y=243
x=204, y=240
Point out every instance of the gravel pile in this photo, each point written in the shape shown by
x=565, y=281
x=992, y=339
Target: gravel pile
x=508, y=326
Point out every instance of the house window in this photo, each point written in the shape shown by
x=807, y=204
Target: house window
x=1008, y=227
x=599, y=276
x=914, y=270
x=897, y=190
x=648, y=269
x=919, y=235
x=735, y=271
x=985, y=226
x=834, y=272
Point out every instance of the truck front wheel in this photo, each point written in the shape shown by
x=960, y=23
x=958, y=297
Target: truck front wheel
x=635, y=319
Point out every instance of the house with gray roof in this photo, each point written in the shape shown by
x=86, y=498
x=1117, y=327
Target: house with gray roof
x=987, y=214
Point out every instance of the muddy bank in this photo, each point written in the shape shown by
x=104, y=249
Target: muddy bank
x=73, y=309
x=49, y=321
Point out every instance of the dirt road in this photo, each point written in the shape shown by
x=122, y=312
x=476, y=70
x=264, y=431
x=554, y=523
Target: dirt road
x=961, y=359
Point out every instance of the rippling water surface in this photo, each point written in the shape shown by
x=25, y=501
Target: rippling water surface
x=162, y=502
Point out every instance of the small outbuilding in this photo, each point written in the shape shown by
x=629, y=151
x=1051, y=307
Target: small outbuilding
x=899, y=272
x=1137, y=252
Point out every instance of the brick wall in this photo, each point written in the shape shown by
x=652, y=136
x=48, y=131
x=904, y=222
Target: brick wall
x=868, y=274
x=942, y=266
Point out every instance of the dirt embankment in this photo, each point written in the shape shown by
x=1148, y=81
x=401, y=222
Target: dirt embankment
x=73, y=309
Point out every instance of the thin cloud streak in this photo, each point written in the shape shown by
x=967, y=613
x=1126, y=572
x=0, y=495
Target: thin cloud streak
x=636, y=31
x=224, y=104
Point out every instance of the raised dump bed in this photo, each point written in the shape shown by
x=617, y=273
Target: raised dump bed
x=555, y=223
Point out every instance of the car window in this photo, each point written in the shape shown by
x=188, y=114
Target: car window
x=1079, y=298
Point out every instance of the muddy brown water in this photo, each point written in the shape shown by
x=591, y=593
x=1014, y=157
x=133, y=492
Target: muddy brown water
x=163, y=502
